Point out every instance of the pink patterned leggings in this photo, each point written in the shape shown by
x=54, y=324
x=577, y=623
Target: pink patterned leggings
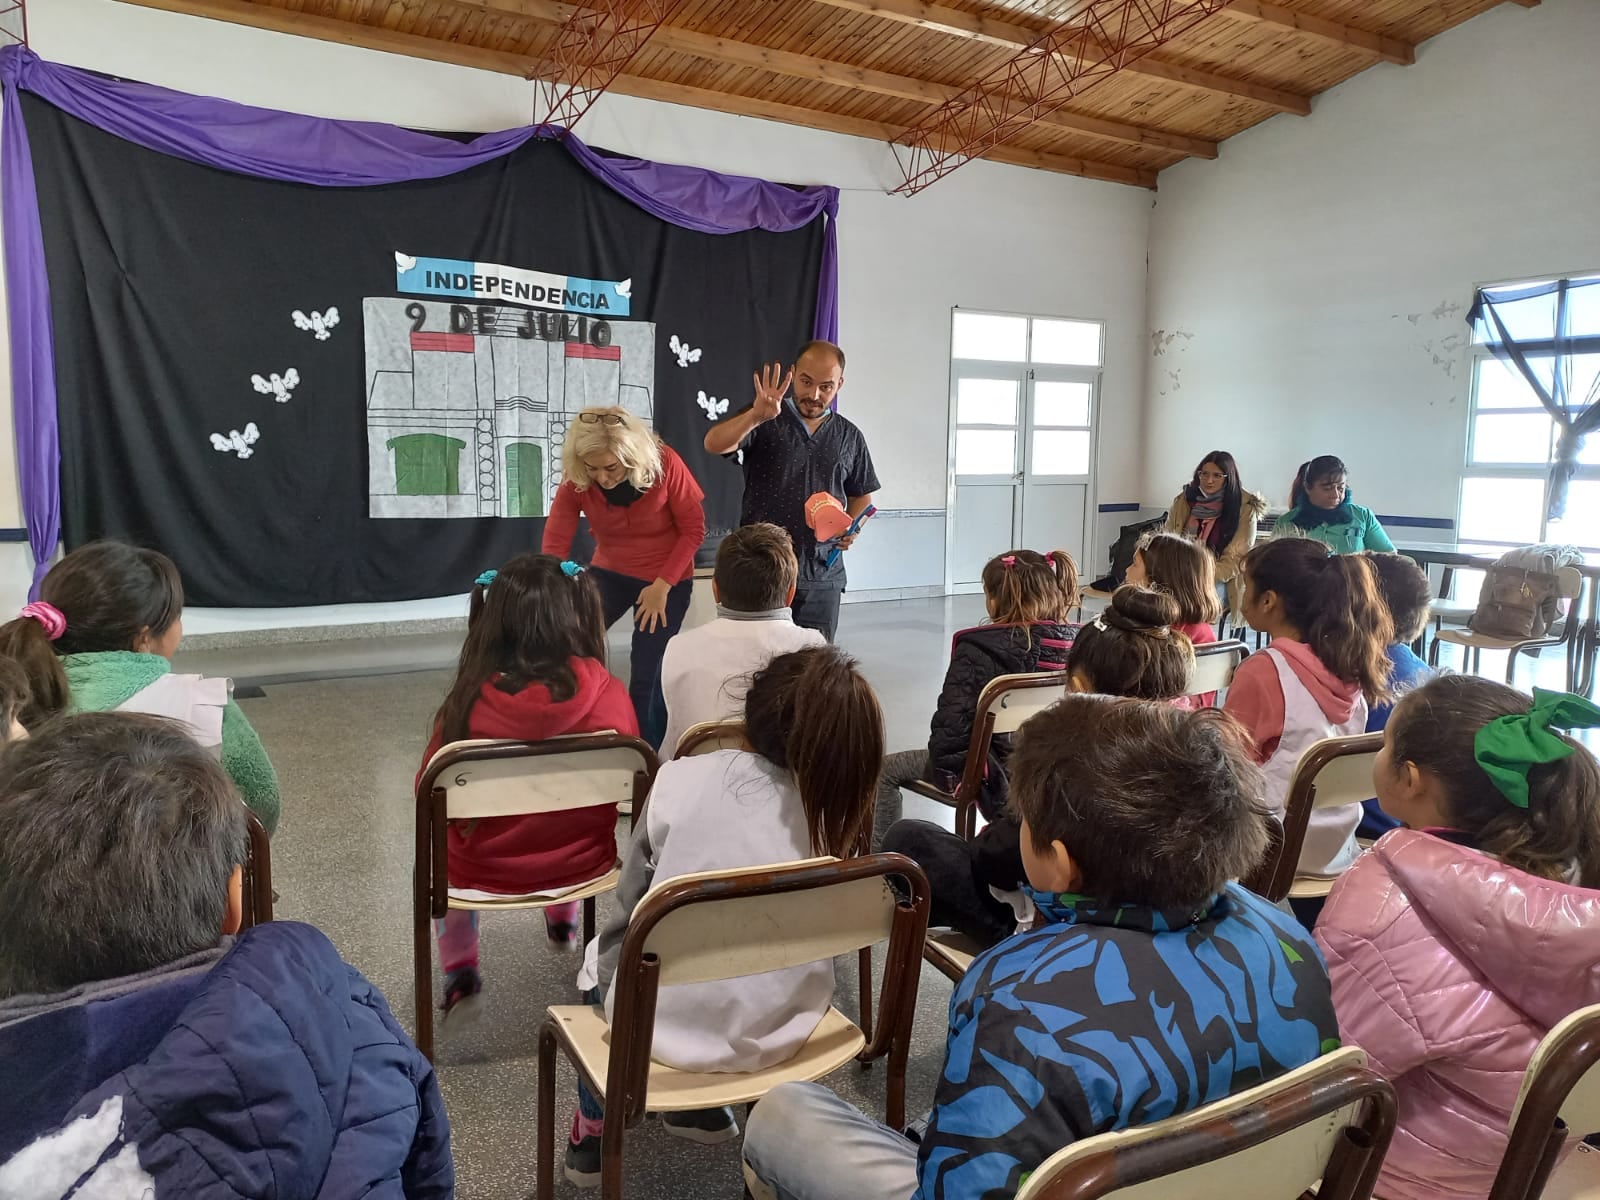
x=458, y=934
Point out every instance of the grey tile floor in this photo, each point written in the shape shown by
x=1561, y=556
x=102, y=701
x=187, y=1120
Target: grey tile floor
x=346, y=750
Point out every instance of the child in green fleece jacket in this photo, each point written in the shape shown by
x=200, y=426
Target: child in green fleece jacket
x=101, y=638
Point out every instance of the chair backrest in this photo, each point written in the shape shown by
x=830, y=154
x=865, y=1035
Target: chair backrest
x=706, y=737
x=723, y=924
x=503, y=779
x=1560, y=1097
x=257, y=890
x=1326, y=1125
x=1214, y=665
x=509, y=779
x=1332, y=772
x=1004, y=704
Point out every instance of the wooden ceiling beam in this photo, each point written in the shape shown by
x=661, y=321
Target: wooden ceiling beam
x=1005, y=33
x=730, y=52
x=372, y=37
x=346, y=33
x=1387, y=49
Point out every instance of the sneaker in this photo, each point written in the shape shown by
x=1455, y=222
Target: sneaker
x=582, y=1163
x=563, y=935
x=463, y=997
x=708, y=1126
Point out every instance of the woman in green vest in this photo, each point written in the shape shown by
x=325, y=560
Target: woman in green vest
x=1320, y=507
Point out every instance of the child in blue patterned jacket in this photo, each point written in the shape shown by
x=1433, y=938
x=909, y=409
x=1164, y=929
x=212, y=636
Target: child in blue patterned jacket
x=1149, y=985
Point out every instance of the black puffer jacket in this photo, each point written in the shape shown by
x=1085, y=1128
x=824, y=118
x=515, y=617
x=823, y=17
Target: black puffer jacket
x=978, y=656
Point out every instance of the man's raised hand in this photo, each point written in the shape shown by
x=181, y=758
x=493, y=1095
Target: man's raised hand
x=771, y=384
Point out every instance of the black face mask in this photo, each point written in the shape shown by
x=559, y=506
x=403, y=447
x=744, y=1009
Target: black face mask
x=622, y=495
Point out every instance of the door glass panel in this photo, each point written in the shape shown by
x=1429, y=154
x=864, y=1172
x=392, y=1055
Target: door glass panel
x=1058, y=403
x=986, y=451
x=1501, y=510
x=1511, y=438
x=1070, y=343
x=998, y=339
x=986, y=402
x=1061, y=452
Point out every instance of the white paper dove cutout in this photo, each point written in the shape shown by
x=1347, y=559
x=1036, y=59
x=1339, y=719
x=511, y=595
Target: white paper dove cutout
x=319, y=323
x=237, y=441
x=684, y=352
x=714, y=408
x=277, y=385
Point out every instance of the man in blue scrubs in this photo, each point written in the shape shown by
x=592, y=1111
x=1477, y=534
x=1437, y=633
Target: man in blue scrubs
x=792, y=450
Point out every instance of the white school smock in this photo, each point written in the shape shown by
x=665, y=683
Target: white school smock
x=1330, y=844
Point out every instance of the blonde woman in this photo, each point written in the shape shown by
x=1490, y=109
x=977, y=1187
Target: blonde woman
x=646, y=515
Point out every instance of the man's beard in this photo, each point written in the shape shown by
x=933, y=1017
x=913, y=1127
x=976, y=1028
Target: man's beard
x=811, y=408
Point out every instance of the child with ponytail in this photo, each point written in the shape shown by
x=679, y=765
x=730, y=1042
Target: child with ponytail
x=1029, y=597
x=1328, y=662
x=1186, y=571
x=101, y=637
x=1132, y=649
x=801, y=786
x=1459, y=940
x=533, y=666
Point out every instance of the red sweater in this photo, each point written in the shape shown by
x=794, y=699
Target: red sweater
x=653, y=538
x=545, y=850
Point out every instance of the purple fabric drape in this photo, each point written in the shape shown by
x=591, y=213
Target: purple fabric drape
x=312, y=150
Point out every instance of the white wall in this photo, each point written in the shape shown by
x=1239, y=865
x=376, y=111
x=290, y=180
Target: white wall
x=1308, y=288
x=989, y=236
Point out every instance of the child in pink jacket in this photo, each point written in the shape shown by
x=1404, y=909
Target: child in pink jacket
x=1461, y=938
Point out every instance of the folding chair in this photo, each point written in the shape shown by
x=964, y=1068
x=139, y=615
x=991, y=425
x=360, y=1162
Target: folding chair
x=1332, y=773
x=1560, y=1098
x=472, y=779
x=1003, y=705
x=257, y=875
x=722, y=925
x=1214, y=665
x=1326, y=1125
x=706, y=737
x=1569, y=582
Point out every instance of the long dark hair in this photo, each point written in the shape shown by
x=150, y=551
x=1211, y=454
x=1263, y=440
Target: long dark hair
x=1232, y=497
x=110, y=593
x=1334, y=602
x=811, y=713
x=1434, y=727
x=1132, y=650
x=525, y=627
x=1311, y=471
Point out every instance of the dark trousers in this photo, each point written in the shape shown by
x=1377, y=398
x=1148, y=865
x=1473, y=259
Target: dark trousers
x=618, y=595
x=817, y=609
x=960, y=901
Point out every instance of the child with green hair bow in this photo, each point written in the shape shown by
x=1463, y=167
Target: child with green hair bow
x=1459, y=940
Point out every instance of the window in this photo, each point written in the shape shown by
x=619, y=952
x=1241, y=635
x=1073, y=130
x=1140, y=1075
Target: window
x=1511, y=438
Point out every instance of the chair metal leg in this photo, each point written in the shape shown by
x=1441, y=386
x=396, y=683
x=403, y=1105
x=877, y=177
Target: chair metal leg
x=545, y=1159
x=864, y=970
x=422, y=969
x=611, y=1152
x=588, y=920
x=1511, y=666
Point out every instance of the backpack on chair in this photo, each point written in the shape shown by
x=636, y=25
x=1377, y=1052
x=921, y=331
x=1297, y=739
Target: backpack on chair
x=1123, y=550
x=1520, y=597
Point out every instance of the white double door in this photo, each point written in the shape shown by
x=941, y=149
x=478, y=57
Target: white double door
x=1022, y=461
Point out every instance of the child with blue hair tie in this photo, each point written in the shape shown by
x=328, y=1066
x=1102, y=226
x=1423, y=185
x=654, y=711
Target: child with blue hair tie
x=533, y=667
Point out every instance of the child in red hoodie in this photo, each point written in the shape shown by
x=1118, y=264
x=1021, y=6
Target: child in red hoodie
x=1328, y=661
x=533, y=667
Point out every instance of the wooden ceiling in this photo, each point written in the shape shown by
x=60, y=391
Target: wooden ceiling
x=876, y=68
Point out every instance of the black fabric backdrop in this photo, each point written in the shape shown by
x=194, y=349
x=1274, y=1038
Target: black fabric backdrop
x=172, y=283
